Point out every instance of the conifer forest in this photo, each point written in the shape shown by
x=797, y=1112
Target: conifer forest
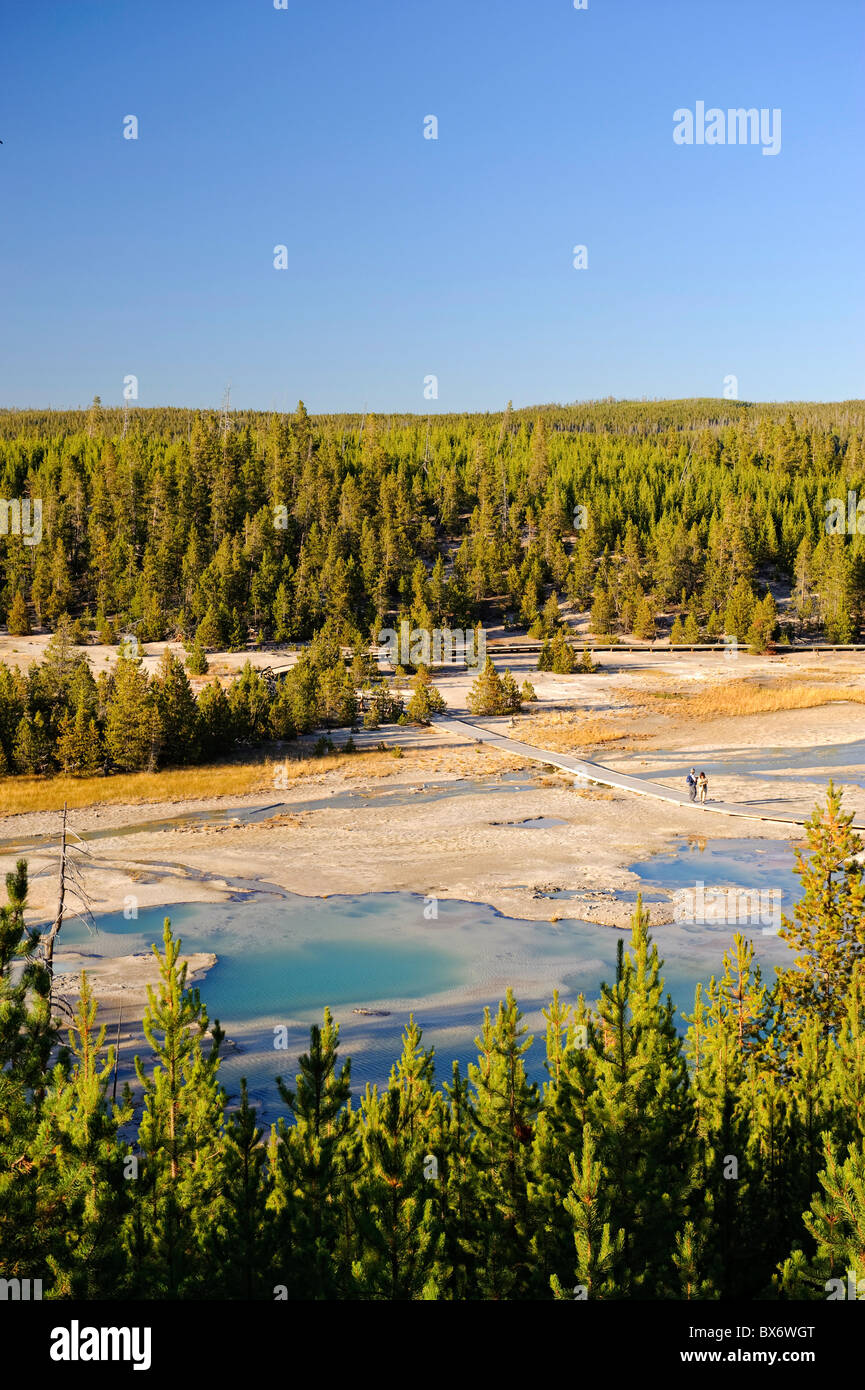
x=610, y=1179
x=432, y=683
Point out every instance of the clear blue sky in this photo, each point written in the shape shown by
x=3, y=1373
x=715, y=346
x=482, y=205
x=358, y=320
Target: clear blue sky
x=410, y=257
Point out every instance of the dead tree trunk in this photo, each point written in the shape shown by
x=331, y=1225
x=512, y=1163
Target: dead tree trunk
x=51, y=937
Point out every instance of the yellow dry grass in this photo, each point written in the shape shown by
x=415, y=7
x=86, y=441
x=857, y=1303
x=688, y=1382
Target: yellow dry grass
x=565, y=733
x=747, y=697
x=21, y=794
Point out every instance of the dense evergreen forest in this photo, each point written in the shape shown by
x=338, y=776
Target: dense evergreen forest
x=249, y=527
x=725, y=1163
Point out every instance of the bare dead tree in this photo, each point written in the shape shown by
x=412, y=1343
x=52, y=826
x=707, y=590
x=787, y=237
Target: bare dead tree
x=53, y=933
x=70, y=884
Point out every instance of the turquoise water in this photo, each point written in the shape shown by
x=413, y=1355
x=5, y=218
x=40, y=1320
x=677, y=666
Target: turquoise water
x=743, y=862
x=295, y=957
x=281, y=962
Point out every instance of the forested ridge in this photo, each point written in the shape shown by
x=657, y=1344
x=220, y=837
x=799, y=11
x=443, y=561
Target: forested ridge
x=723, y=1163
x=254, y=527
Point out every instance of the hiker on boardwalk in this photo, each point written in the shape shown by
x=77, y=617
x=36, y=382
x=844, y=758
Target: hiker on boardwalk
x=691, y=781
x=703, y=786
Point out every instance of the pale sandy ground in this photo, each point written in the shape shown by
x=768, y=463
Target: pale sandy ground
x=120, y=987
x=22, y=651
x=458, y=846
x=123, y=980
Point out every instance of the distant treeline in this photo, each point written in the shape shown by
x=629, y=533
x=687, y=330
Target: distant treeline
x=256, y=527
x=725, y=1164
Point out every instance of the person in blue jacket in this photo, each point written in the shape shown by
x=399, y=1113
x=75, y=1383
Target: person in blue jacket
x=691, y=780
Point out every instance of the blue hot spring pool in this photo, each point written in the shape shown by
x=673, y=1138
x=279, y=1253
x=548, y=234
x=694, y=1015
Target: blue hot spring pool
x=280, y=962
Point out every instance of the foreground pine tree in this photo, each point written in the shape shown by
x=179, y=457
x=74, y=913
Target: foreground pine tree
x=836, y=1224
x=400, y=1231
x=828, y=923
x=504, y=1109
x=836, y=1220
x=642, y=1112
x=726, y=1034
x=176, y=1181
x=80, y=1129
x=27, y=1036
x=239, y=1247
x=312, y=1164
x=598, y=1253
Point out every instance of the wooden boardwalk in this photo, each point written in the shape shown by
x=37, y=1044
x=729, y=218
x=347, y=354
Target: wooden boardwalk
x=474, y=732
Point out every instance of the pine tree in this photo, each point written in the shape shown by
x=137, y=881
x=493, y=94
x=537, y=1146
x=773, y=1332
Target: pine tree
x=564, y=661
x=691, y=632
x=32, y=746
x=239, y=633
x=283, y=626
x=598, y=1252
x=727, y=1039
x=426, y=700
x=281, y=719
x=211, y=630
x=803, y=593
x=642, y=1113
x=79, y=744
x=312, y=1165
x=504, y=1106
x=249, y=699
x=80, y=1130
x=828, y=923
x=132, y=729
x=644, y=623
x=179, y=1138
x=763, y=625
x=18, y=621
x=511, y=698
x=601, y=617
x=836, y=1221
x=551, y=617
x=196, y=662
x=586, y=665
x=557, y=1135
x=690, y=1262
x=399, y=1226
x=61, y=661
x=239, y=1247
x=485, y=696
x=177, y=711
x=216, y=721
x=27, y=1038
x=337, y=694
x=740, y=611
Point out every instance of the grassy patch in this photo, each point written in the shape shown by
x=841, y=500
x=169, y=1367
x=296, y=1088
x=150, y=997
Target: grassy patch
x=21, y=794
x=746, y=697
x=567, y=733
